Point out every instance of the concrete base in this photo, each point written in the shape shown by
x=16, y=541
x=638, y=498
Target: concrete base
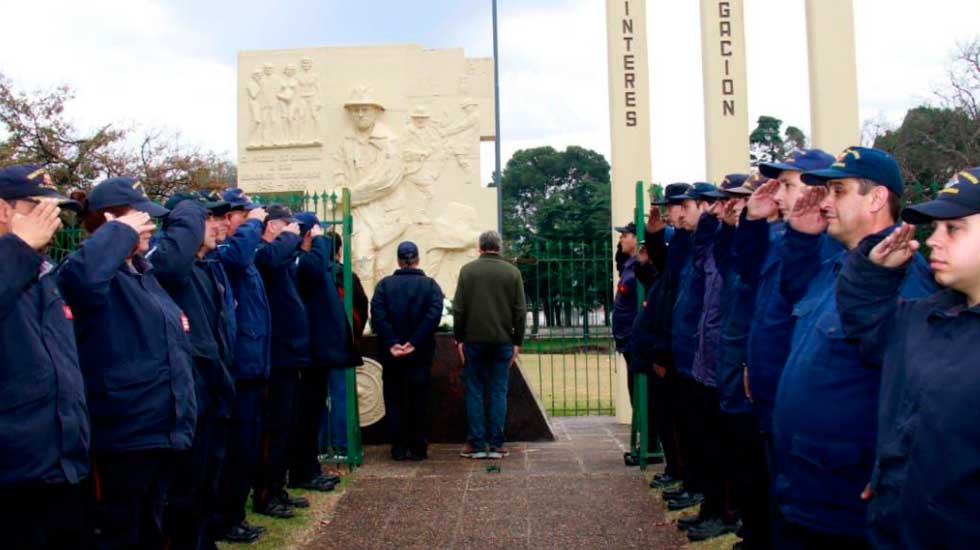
x=526, y=418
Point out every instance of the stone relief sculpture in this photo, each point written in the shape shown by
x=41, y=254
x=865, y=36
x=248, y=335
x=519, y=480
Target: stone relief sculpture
x=284, y=111
x=465, y=134
x=309, y=95
x=368, y=161
x=288, y=106
x=425, y=156
x=452, y=242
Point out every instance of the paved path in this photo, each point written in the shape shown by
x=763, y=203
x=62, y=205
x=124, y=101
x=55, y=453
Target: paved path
x=571, y=493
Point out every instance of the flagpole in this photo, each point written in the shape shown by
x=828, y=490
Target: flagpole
x=496, y=126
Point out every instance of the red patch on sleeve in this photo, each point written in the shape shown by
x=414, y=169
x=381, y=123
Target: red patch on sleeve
x=68, y=314
x=185, y=322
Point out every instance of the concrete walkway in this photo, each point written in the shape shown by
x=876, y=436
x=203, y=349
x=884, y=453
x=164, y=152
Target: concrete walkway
x=571, y=493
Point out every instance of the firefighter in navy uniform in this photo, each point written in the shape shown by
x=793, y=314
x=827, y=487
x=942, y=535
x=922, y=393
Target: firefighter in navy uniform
x=44, y=426
x=135, y=355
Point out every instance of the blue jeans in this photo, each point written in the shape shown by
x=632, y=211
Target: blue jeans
x=333, y=425
x=486, y=371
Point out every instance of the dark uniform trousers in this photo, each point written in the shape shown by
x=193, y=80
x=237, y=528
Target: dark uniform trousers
x=194, y=496
x=280, y=410
x=747, y=475
x=46, y=517
x=663, y=405
x=131, y=489
x=706, y=434
x=690, y=429
x=244, y=454
x=406, y=396
x=305, y=432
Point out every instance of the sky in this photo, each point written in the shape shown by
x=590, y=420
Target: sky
x=172, y=63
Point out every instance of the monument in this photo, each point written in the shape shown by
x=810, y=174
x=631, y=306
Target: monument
x=398, y=125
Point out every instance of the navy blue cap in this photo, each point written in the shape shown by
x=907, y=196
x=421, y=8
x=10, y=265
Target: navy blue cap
x=699, y=192
x=628, y=228
x=306, y=221
x=801, y=160
x=124, y=191
x=731, y=181
x=755, y=181
x=673, y=193
x=861, y=162
x=407, y=251
x=214, y=203
x=214, y=207
x=279, y=212
x=238, y=199
x=960, y=198
x=31, y=181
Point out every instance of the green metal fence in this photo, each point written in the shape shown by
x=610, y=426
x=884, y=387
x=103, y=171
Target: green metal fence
x=568, y=353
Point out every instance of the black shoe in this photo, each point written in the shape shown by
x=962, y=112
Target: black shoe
x=663, y=481
x=711, y=529
x=418, y=455
x=673, y=492
x=687, y=523
x=680, y=503
x=240, y=534
x=295, y=502
x=319, y=483
x=258, y=529
x=631, y=459
x=276, y=509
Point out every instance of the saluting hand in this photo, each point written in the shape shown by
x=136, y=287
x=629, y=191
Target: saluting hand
x=806, y=216
x=39, y=226
x=655, y=219
x=291, y=228
x=762, y=204
x=896, y=249
x=257, y=214
x=316, y=230
x=138, y=221
x=731, y=213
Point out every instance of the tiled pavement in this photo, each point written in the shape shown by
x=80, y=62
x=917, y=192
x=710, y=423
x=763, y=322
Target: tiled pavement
x=572, y=493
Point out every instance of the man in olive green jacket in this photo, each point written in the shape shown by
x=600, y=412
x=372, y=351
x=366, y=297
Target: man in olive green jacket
x=489, y=314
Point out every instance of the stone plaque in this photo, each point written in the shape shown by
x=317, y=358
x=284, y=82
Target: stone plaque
x=399, y=125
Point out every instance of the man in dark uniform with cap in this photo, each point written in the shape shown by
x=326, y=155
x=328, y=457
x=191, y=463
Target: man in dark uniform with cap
x=331, y=347
x=250, y=367
x=44, y=425
x=200, y=295
x=405, y=312
x=277, y=260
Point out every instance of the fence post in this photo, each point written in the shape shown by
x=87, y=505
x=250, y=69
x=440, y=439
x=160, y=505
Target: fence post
x=355, y=453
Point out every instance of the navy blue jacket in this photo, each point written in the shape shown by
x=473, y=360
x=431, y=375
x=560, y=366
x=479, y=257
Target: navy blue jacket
x=759, y=266
x=824, y=459
x=331, y=336
x=229, y=320
x=406, y=308
x=737, y=308
x=191, y=283
x=926, y=475
x=278, y=263
x=132, y=346
x=650, y=342
x=709, y=268
x=44, y=427
x=690, y=298
x=624, y=306
x=253, y=322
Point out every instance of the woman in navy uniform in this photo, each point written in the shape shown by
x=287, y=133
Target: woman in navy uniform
x=135, y=358
x=44, y=427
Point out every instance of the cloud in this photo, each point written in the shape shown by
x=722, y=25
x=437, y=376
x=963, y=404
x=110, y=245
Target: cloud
x=129, y=62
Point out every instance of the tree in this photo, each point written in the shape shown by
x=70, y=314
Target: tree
x=35, y=129
x=556, y=207
x=934, y=142
x=767, y=143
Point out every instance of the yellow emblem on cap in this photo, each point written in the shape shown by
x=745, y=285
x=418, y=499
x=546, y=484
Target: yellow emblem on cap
x=969, y=177
x=845, y=154
x=949, y=191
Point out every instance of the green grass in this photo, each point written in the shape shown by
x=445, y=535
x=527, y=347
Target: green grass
x=549, y=345
x=570, y=384
x=295, y=531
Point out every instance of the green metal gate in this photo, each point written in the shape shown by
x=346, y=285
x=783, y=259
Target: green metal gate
x=569, y=354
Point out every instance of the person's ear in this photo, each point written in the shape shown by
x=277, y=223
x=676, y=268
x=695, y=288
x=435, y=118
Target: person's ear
x=879, y=198
x=6, y=212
